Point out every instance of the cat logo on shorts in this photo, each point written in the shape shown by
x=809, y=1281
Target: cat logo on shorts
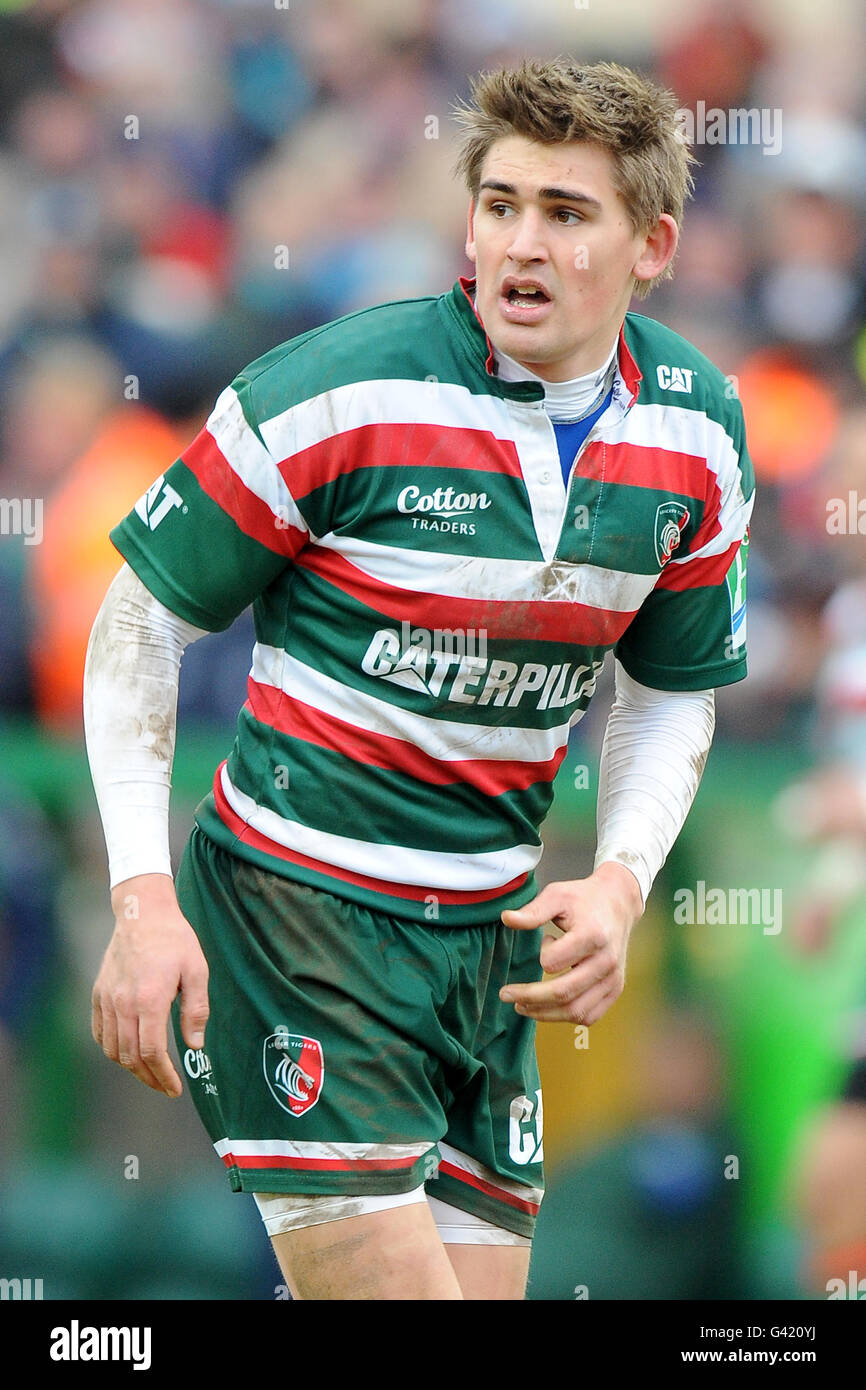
x=525, y=1129
x=294, y=1069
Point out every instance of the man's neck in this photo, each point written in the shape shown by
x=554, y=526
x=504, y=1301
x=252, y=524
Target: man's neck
x=564, y=400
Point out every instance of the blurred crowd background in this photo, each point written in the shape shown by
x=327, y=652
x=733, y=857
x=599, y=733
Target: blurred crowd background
x=184, y=184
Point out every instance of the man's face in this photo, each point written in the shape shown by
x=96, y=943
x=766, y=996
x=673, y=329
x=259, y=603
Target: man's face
x=549, y=216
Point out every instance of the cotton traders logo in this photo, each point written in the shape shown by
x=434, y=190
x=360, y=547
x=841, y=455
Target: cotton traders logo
x=442, y=510
x=444, y=502
x=671, y=517
x=294, y=1069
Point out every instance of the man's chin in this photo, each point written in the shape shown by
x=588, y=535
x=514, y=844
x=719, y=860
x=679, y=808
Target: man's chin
x=524, y=343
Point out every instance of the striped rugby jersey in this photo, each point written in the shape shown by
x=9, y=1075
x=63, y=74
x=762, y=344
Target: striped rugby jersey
x=432, y=606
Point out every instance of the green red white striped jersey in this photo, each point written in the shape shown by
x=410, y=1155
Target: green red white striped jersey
x=432, y=607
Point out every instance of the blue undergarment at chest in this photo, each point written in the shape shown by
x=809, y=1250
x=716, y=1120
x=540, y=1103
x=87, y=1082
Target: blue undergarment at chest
x=570, y=436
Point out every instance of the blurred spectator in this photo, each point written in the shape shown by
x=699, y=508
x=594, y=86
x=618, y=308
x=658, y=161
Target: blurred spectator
x=76, y=562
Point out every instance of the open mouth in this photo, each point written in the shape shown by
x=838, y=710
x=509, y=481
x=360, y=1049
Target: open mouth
x=524, y=301
x=527, y=297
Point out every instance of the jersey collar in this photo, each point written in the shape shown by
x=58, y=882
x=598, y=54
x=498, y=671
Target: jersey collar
x=628, y=377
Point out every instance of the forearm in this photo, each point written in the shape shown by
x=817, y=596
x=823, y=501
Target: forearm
x=130, y=709
x=655, y=747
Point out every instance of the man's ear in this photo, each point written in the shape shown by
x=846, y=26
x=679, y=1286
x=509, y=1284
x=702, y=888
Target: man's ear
x=659, y=249
x=470, y=231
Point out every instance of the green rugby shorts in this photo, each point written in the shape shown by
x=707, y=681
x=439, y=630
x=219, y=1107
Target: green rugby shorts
x=352, y=1052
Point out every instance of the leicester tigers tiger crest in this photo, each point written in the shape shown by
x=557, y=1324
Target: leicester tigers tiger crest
x=294, y=1069
x=671, y=517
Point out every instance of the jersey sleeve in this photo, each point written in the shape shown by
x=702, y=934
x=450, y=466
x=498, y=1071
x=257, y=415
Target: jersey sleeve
x=216, y=529
x=690, y=631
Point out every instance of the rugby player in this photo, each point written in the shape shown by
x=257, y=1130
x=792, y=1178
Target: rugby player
x=519, y=461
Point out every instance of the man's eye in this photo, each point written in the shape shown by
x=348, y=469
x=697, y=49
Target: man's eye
x=497, y=208
x=562, y=213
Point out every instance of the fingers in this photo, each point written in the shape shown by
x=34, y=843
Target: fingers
x=585, y=962
x=134, y=1035
x=155, y=1059
x=96, y=1016
x=569, y=949
x=587, y=1009
x=194, y=1008
x=136, y=1054
x=148, y=960
x=597, y=968
x=545, y=907
x=108, y=1031
x=572, y=993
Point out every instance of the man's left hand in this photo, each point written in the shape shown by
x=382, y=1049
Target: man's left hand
x=595, y=915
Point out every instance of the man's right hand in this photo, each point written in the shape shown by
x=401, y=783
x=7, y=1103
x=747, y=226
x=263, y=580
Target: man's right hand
x=153, y=953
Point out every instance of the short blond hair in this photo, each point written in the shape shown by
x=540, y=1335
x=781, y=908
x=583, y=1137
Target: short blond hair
x=603, y=104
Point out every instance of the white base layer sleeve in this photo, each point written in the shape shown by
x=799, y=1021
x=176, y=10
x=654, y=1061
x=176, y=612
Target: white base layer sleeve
x=653, y=756
x=130, y=710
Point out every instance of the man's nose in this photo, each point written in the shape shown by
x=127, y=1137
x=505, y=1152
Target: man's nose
x=528, y=242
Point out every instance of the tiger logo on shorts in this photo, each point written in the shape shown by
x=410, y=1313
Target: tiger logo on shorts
x=294, y=1068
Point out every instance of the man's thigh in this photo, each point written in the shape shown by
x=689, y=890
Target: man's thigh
x=396, y=1254
x=400, y=1253
x=490, y=1272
